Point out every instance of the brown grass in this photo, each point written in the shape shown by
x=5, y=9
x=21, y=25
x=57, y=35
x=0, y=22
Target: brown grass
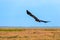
x=29, y=34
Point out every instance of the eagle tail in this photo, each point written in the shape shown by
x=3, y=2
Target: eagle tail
x=45, y=21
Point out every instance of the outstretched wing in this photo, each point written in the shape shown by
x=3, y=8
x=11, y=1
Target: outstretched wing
x=36, y=19
x=30, y=14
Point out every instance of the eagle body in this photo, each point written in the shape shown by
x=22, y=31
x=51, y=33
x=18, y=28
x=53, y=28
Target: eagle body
x=36, y=19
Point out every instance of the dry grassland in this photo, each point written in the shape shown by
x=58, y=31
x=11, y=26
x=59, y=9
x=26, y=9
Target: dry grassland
x=29, y=34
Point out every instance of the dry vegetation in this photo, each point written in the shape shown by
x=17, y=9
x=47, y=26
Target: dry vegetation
x=29, y=34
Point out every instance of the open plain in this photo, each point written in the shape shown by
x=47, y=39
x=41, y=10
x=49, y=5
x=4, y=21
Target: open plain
x=29, y=34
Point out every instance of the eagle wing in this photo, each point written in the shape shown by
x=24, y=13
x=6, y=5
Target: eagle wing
x=30, y=14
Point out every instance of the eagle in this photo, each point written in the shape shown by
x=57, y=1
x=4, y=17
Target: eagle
x=33, y=16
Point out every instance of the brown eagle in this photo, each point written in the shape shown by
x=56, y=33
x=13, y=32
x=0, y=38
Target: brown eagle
x=36, y=19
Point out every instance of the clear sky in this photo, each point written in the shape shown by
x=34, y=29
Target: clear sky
x=13, y=12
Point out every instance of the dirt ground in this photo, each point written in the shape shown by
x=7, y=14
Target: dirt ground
x=29, y=34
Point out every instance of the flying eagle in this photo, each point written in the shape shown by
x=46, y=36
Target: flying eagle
x=36, y=19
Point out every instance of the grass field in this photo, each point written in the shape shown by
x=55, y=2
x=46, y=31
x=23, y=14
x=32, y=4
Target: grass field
x=29, y=34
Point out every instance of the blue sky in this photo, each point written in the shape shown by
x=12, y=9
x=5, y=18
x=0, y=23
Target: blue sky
x=13, y=12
